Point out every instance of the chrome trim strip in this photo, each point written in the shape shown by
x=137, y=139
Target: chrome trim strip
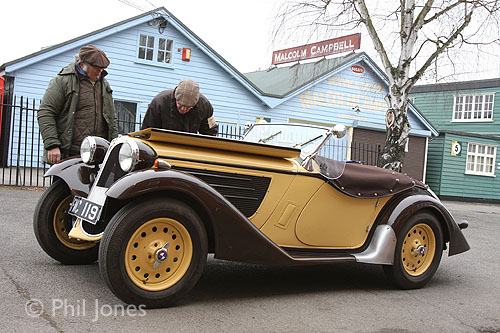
x=381, y=248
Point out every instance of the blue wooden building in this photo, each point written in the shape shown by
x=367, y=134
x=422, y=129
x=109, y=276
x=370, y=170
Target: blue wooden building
x=153, y=51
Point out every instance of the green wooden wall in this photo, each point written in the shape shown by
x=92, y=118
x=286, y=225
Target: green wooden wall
x=435, y=163
x=446, y=173
x=437, y=107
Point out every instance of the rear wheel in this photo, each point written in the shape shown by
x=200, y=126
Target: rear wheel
x=52, y=223
x=152, y=253
x=419, y=248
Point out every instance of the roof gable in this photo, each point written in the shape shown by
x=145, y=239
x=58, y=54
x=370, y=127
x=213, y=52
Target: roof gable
x=456, y=86
x=86, y=39
x=283, y=83
x=314, y=73
x=272, y=87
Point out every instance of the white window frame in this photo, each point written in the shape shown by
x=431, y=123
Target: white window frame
x=472, y=108
x=480, y=162
x=155, y=49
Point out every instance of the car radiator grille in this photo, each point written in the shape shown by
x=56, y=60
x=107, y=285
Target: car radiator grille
x=111, y=171
x=245, y=192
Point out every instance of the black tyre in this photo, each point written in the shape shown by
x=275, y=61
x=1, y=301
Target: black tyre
x=419, y=248
x=153, y=252
x=51, y=223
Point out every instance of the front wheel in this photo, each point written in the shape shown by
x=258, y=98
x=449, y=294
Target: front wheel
x=51, y=223
x=418, y=252
x=153, y=252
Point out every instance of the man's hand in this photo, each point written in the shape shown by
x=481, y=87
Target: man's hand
x=54, y=155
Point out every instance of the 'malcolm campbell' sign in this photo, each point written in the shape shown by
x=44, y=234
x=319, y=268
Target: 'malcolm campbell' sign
x=320, y=49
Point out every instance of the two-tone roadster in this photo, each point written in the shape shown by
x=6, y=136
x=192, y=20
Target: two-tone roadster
x=152, y=204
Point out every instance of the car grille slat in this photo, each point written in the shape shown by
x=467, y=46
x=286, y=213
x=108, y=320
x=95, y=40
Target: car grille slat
x=111, y=171
x=245, y=192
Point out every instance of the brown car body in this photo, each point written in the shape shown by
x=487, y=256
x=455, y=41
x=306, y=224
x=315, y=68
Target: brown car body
x=258, y=203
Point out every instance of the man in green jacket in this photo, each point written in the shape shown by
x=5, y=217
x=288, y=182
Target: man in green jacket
x=77, y=103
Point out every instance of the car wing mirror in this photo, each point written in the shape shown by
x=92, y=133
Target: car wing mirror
x=338, y=130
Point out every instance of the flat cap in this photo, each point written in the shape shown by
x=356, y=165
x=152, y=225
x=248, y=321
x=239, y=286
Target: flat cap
x=94, y=56
x=187, y=92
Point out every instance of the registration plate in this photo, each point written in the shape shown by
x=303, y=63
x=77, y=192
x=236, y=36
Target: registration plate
x=86, y=210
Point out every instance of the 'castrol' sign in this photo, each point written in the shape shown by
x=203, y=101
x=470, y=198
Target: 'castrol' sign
x=320, y=49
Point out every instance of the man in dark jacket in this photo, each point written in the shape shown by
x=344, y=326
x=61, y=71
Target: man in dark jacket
x=78, y=102
x=182, y=109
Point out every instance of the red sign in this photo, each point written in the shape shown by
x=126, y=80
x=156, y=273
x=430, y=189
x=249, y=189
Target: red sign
x=320, y=49
x=357, y=69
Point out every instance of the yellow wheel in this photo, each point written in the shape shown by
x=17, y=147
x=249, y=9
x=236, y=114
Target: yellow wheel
x=51, y=222
x=419, y=248
x=417, y=252
x=61, y=230
x=163, y=241
x=153, y=252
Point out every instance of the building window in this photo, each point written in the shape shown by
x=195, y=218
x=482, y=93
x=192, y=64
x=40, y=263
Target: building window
x=481, y=159
x=155, y=50
x=472, y=108
x=125, y=114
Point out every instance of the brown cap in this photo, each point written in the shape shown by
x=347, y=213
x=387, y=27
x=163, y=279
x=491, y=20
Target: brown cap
x=94, y=56
x=187, y=93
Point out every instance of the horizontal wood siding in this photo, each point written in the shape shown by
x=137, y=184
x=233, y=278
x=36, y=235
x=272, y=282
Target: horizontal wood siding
x=437, y=107
x=136, y=82
x=335, y=99
x=434, y=163
x=455, y=182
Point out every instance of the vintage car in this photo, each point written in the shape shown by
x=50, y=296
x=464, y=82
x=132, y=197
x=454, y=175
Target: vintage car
x=151, y=205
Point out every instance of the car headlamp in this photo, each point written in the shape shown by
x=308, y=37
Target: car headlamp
x=128, y=156
x=93, y=149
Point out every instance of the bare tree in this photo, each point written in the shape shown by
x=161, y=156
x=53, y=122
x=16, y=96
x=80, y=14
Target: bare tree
x=408, y=35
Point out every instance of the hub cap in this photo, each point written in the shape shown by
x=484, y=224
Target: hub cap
x=158, y=254
x=419, y=247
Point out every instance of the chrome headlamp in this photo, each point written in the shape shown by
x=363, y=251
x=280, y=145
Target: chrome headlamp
x=93, y=149
x=128, y=156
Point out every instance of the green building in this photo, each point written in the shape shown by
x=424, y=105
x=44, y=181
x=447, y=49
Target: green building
x=463, y=161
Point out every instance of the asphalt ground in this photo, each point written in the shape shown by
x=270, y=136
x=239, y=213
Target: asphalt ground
x=40, y=295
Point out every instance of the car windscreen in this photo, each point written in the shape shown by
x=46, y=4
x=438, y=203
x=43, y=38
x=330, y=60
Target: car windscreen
x=306, y=138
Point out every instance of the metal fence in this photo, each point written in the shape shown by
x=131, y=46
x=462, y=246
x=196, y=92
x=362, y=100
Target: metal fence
x=21, y=146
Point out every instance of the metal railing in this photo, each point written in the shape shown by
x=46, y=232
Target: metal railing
x=21, y=146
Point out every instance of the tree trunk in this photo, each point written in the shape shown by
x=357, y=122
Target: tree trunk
x=397, y=129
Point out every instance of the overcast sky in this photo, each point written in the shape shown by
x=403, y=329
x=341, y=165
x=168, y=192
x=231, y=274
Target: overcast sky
x=238, y=30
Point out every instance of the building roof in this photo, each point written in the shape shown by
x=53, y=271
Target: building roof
x=456, y=86
x=53, y=50
x=272, y=87
x=281, y=81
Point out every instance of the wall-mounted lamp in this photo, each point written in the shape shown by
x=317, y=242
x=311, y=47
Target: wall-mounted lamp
x=161, y=22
